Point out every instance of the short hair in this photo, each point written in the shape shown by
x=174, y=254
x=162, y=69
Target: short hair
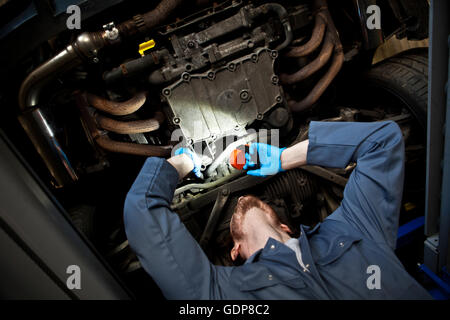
x=244, y=204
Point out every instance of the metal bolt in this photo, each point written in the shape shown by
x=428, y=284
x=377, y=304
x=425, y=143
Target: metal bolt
x=279, y=99
x=191, y=44
x=231, y=67
x=275, y=79
x=236, y=127
x=111, y=32
x=254, y=57
x=185, y=76
x=166, y=92
x=176, y=120
x=95, y=60
x=250, y=44
x=244, y=95
x=274, y=54
x=211, y=75
x=259, y=116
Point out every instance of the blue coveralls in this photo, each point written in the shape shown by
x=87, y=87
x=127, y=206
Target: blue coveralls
x=340, y=251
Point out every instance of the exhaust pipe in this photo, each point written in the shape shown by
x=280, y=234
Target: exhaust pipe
x=85, y=47
x=33, y=120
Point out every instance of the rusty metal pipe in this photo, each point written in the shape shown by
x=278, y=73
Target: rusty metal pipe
x=315, y=41
x=336, y=65
x=103, y=141
x=130, y=127
x=321, y=86
x=146, y=150
x=160, y=13
x=143, y=23
x=314, y=66
x=117, y=108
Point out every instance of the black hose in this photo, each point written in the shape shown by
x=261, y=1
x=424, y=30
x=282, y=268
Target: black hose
x=283, y=15
x=133, y=68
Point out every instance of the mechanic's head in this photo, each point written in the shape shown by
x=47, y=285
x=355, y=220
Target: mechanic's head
x=251, y=225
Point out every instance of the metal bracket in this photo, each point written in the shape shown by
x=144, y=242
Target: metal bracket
x=214, y=217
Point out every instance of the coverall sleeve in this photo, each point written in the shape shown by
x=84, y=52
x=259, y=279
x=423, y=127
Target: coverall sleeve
x=373, y=194
x=164, y=246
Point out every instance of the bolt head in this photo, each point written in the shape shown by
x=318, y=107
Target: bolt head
x=274, y=79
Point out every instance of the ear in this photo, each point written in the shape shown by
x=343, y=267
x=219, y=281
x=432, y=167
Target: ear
x=285, y=228
x=235, y=251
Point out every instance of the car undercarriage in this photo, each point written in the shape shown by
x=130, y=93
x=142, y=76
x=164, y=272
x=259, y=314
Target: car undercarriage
x=211, y=76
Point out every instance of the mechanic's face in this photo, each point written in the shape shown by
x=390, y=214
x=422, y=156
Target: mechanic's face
x=255, y=226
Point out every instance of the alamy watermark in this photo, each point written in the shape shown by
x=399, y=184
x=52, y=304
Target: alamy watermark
x=74, y=279
x=374, y=17
x=374, y=280
x=74, y=20
x=220, y=144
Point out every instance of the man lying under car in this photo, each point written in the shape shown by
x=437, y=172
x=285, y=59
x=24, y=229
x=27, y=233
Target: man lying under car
x=330, y=261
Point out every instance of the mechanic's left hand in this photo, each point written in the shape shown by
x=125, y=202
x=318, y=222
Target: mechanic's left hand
x=195, y=160
x=269, y=158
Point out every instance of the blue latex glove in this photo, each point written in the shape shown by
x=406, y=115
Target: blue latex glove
x=195, y=159
x=269, y=159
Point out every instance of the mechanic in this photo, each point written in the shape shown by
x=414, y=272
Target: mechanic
x=350, y=255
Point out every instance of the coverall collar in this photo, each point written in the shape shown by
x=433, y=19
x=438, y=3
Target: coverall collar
x=305, y=231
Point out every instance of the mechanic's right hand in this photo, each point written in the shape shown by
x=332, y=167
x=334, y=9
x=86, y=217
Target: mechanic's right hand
x=195, y=159
x=269, y=159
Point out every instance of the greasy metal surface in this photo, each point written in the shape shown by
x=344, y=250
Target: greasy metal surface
x=326, y=174
x=296, y=184
x=48, y=147
x=117, y=108
x=214, y=216
x=315, y=40
x=222, y=102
